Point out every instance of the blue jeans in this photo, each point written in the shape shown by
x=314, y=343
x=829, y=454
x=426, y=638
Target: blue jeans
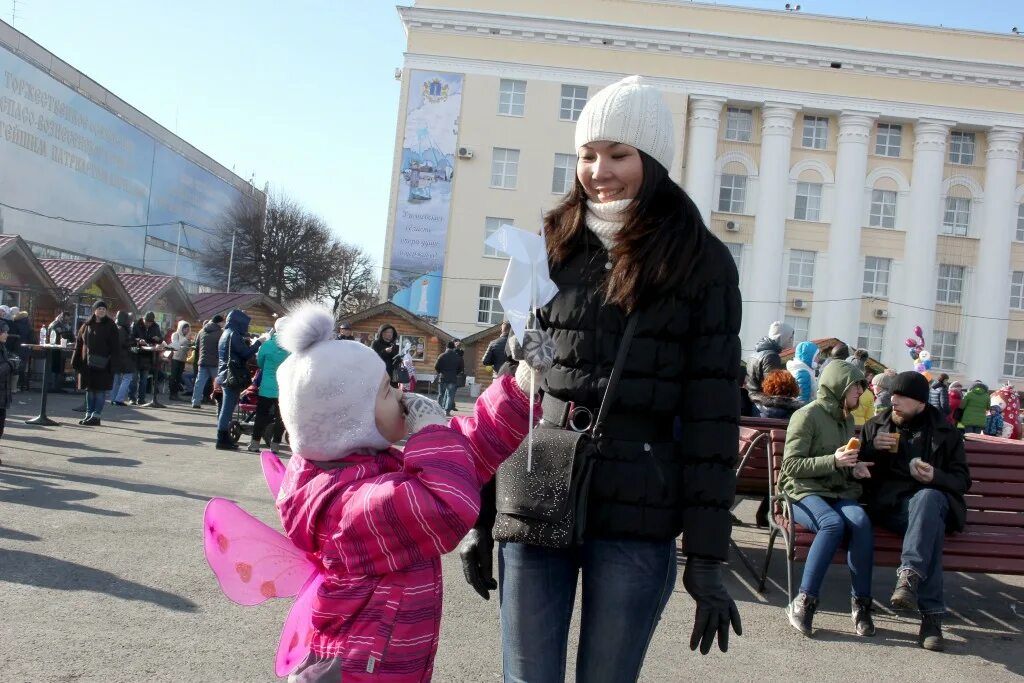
x=831, y=520
x=119, y=390
x=922, y=521
x=446, y=395
x=140, y=379
x=626, y=585
x=228, y=403
x=205, y=375
x=94, y=401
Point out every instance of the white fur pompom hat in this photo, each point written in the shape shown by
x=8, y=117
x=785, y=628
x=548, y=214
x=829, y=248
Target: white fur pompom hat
x=328, y=388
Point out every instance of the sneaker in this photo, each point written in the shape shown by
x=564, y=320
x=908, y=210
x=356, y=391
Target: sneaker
x=197, y=407
x=905, y=595
x=93, y=421
x=801, y=613
x=930, y=635
x=860, y=610
x=119, y=403
x=253, y=447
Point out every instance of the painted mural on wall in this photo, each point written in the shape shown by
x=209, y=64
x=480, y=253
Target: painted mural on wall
x=425, y=181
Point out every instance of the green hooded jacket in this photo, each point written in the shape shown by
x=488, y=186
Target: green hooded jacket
x=975, y=405
x=814, y=433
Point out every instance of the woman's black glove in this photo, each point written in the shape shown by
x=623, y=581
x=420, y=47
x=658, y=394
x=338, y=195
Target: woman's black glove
x=702, y=579
x=477, y=554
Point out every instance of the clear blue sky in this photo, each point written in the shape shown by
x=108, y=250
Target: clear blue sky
x=301, y=93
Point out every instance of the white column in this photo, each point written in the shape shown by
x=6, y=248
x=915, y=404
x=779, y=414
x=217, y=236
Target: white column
x=701, y=151
x=988, y=294
x=844, y=279
x=916, y=287
x=769, y=222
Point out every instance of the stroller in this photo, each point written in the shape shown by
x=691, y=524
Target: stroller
x=245, y=411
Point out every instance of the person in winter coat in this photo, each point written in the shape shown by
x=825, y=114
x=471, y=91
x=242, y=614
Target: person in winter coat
x=97, y=349
x=410, y=369
x=840, y=351
x=1006, y=397
x=269, y=359
x=608, y=244
x=766, y=354
x=994, y=420
x=8, y=371
x=375, y=516
x=939, y=395
x=916, y=489
x=956, y=396
x=59, y=331
x=233, y=351
x=386, y=346
x=21, y=327
x=974, y=407
x=125, y=360
x=779, y=397
x=179, y=345
x=881, y=386
x=800, y=368
x=496, y=355
x=865, y=409
x=207, y=342
x=820, y=477
x=449, y=366
x=146, y=333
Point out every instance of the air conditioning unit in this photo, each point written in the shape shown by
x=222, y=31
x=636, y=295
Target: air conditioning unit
x=731, y=226
x=881, y=313
x=799, y=304
x=465, y=153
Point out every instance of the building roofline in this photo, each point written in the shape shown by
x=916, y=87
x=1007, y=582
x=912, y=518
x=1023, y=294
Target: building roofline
x=397, y=310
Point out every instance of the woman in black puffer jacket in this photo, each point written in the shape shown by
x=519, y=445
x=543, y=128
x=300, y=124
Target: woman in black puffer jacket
x=626, y=239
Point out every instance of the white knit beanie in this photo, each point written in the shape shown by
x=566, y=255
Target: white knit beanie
x=633, y=113
x=328, y=389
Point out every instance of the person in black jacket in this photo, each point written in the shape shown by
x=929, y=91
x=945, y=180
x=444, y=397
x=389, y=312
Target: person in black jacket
x=59, y=331
x=766, y=354
x=496, y=353
x=917, y=487
x=8, y=371
x=96, y=361
x=628, y=240
x=233, y=353
x=386, y=346
x=449, y=366
x=938, y=396
x=125, y=360
x=145, y=332
x=206, y=358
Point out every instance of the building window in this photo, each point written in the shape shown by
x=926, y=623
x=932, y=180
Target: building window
x=889, y=139
x=489, y=311
x=957, y=217
x=961, y=148
x=1013, y=361
x=876, y=276
x=491, y=225
x=10, y=298
x=512, y=97
x=801, y=269
x=736, y=249
x=951, y=284
x=870, y=338
x=504, y=168
x=1017, y=290
x=944, y=350
x=883, y=209
x=808, y=202
x=573, y=99
x=815, y=132
x=739, y=124
x=733, y=193
x=801, y=325
x=1020, y=222
x=564, y=174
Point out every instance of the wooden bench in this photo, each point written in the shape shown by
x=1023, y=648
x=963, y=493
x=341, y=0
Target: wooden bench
x=991, y=543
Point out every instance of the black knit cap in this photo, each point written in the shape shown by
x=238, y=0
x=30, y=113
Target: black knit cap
x=912, y=385
x=99, y=304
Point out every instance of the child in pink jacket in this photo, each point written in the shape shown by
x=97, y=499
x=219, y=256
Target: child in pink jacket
x=378, y=517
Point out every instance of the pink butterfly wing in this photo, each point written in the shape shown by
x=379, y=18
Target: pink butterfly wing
x=252, y=562
x=297, y=633
x=273, y=471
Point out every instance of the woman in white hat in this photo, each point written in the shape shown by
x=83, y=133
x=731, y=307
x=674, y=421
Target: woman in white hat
x=627, y=239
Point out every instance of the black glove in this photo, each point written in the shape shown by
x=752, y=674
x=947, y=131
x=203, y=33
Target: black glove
x=476, y=552
x=702, y=579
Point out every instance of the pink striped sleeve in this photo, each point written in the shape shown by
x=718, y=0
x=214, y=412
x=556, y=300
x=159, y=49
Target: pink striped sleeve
x=498, y=425
x=396, y=519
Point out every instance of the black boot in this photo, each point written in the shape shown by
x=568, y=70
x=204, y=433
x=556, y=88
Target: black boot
x=224, y=442
x=930, y=635
x=860, y=609
x=905, y=595
x=761, y=516
x=801, y=613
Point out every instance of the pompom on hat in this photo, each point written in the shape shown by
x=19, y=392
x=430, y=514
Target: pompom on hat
x=328, y=389
x=633, y=113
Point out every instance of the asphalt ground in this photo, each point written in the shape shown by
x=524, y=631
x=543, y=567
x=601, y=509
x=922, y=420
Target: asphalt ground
x=102, y=578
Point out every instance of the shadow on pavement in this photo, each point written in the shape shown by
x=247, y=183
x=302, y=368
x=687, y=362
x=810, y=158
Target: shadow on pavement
x=26, y=489
x=55, y=443
x=13, y=535
x=41, y=571
x=152, y=489
x=107, y=462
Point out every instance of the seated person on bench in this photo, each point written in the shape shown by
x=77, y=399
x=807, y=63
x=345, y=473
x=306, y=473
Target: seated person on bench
x=917, y=489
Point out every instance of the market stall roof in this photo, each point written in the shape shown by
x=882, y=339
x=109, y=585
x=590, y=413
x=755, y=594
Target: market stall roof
x=145, y=289
x=826, y=345
x=75, y=277
x=14, y=246
x=391, y=309
x=211, y=303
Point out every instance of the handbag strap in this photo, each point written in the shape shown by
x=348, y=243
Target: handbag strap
x=613, y=380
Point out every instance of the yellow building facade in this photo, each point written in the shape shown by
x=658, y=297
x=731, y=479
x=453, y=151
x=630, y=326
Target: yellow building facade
x=866, y=176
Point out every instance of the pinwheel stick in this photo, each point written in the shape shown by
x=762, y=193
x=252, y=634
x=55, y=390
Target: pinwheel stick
x=531, y=324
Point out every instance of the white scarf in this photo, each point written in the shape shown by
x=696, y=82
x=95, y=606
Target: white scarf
x=606, y=220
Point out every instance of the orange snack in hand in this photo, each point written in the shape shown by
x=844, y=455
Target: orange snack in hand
x=853, y=445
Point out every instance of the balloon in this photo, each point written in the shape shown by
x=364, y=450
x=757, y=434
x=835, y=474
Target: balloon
x=910, y=343
x=913, y=354
x=928, y=364
x=919, y=332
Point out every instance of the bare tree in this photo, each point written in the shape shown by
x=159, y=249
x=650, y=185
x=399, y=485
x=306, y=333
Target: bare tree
x=354, y=286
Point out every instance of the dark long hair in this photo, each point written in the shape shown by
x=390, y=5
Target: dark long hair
x=657, y=248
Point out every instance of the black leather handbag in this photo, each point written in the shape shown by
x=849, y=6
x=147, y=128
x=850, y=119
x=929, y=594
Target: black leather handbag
x=547, y=506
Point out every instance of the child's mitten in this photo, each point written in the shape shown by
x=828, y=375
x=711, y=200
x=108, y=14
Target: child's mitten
x=536, y=354
x=421, y=412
